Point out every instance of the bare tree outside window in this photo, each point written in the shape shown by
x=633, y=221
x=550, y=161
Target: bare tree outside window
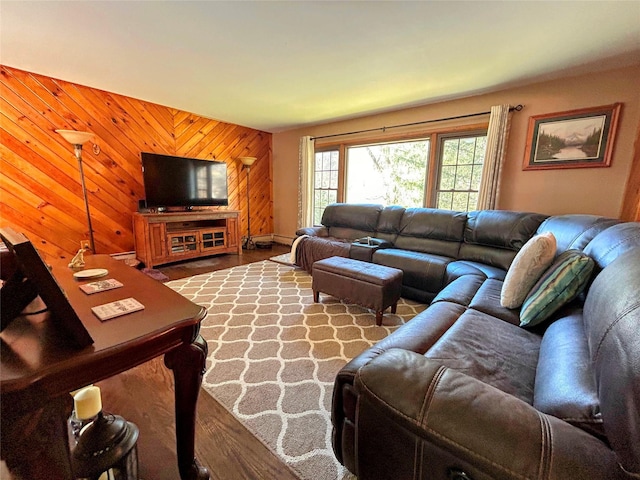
x=438, y=169
x=389, y=173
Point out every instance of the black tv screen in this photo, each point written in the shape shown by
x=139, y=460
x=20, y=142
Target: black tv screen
x=171, y=181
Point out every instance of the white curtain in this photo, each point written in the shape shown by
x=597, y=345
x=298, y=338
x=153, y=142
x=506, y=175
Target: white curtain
x=305, y=179
x=497, y=136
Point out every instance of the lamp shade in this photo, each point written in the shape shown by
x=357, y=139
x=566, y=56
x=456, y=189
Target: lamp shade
x=247, y=161
x=74, y=137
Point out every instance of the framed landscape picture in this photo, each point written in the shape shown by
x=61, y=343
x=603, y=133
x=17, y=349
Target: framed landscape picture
x=573, y=139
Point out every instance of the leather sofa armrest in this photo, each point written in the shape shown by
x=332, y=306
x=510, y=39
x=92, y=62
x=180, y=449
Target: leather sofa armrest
x=419, y=419
x=321, y=231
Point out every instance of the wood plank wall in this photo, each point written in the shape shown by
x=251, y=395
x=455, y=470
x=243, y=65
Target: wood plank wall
x=40, y=189
x=631, y=204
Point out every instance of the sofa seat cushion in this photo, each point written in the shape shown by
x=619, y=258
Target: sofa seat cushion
x=424, y=271
x=565, y=386
x=491, y=350
x=482, y=294
x=467, y=267
x=417, y=335
x=461, y=290
x=487, y=300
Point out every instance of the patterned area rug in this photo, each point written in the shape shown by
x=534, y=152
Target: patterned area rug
x=284, y=258
x=273, y=355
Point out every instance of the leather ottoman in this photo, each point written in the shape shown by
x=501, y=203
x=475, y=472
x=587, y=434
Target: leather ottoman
x=367, y=284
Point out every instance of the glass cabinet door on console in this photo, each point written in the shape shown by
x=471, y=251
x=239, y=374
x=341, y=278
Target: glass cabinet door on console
x=212, y=239
x=182, y=243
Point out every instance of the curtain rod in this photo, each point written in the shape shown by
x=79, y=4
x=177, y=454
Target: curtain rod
x=517, y=108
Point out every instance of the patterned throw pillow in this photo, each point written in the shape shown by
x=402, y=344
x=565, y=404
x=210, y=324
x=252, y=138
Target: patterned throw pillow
x=527, y=267
x=561, y=283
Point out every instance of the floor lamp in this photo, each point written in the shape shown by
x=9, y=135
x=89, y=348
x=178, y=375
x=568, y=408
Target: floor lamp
x=77, y=139
x=246, y=164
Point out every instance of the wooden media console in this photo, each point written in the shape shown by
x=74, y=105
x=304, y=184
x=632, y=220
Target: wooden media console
x=173, y=236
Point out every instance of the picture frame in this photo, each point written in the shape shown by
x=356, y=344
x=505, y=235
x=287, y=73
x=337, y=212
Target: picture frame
x=32, y=268
x=581, y=138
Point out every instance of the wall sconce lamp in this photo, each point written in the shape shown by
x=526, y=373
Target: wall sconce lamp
x=77, y=139
x=248, y=243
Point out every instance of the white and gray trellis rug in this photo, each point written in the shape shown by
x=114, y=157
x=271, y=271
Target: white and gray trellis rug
x=274, y=354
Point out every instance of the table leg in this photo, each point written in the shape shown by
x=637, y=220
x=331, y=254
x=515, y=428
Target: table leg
x=187, y=362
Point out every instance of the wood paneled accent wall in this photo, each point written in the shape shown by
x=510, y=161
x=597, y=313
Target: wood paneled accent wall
x=40, y=189
x=631, y=204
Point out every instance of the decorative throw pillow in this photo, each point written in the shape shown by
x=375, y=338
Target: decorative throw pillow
x=527, y=267
x=561, y=283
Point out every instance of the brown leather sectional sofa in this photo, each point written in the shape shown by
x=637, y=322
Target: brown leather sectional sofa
x=462, y=391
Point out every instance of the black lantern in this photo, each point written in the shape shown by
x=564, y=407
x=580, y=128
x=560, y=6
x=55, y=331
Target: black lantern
x=107, y=450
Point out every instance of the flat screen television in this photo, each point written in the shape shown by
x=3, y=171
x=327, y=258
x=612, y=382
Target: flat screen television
x=171, y=181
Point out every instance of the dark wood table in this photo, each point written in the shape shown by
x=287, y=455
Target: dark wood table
x=38, y=370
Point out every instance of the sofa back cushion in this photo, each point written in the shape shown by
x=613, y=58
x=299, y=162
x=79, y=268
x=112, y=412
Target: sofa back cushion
x=613, y=242
x=574, y=232
x=612, y=325
x=389, y=223
x=495, y=236
x=351, y=221
x=431, y=230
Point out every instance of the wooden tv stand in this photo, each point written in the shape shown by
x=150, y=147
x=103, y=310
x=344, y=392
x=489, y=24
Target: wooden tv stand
x=174, y=236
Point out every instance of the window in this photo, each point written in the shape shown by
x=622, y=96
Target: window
x=389, y=173
x=325, y=182
x=461, y=159
x=439, y=168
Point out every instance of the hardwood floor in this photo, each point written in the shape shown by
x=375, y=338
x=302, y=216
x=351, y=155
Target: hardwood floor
x=220, y=262
x=144, y=396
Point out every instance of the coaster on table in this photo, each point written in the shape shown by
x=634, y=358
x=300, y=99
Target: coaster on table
x=100, y=286
x=115, y=309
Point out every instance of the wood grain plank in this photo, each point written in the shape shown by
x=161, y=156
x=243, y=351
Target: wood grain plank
x=42, y=172
x=195, y=129
x=105, y=216
x=18, y=205
x=59, y=152
x=162, y=133
x=630, y=211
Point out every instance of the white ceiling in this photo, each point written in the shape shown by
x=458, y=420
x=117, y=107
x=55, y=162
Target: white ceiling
x=279, y=65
